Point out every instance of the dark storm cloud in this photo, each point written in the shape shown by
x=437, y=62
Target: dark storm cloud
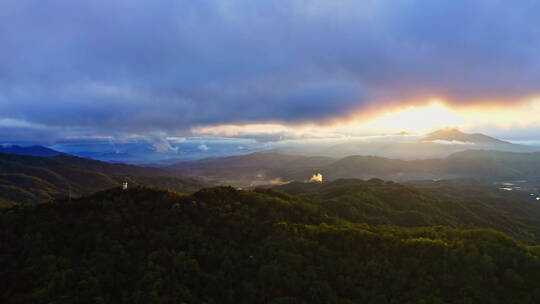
x=163, y=66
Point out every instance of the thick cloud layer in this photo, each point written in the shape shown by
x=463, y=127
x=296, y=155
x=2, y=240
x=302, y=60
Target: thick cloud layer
x=143, y=66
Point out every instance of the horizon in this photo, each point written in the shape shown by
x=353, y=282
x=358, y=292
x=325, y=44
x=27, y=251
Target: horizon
x=301, y=71
x=139, y=151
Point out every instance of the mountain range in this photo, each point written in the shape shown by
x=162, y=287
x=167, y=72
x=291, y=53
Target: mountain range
x=25, y=178
x=437, y=144
x=33, y=179
x=29, y=150
x=272, y=166
x=456, y=135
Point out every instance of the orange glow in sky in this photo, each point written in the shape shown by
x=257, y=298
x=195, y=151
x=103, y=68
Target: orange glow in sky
x=417, y=119
x=414, y=119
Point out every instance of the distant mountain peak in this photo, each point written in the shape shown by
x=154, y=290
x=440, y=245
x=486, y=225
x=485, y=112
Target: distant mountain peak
x=453, y=134
x=29, y=150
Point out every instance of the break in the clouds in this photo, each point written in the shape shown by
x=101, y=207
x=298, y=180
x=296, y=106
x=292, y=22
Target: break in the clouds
x=147, y=67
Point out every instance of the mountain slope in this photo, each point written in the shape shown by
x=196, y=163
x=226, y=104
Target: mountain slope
x=110, y=168
x=222, y=245
x=31, y=150
x=481, y=164
x=462, y=205
x=438, y=144
x=264, y=166
x=31, y=179
x=254, y=166
x=456, y=135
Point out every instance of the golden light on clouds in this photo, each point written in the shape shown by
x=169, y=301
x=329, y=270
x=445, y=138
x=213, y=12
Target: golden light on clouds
x=418, y=119
x=436, y=114
x=516, y=114
x=231, y=130
x=269, y=131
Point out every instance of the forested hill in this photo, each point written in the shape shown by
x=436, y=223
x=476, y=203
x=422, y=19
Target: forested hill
x=461, y=204
x=479, y=164
x=33, y=179
x=222, y=245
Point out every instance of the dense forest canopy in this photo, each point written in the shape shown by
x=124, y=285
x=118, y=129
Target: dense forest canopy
x=222, y=245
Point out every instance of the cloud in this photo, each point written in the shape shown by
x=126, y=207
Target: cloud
x=138, y=67
x=266, y=133
x=316, y=178
x=203, y=147
x=160, y=142
x=452, y=142
x=19, y=123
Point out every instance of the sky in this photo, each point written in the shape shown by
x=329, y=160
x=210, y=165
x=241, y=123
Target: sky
x=266, y=70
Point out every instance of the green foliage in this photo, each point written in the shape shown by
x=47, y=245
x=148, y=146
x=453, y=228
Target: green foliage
x=459, y=204
x=222, y=245
x=33, y=179
x=6, y=204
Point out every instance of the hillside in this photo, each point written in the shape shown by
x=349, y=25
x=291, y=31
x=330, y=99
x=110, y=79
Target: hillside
x=497, y=162
x=456, y=135
x=458, y=204
x=479, y=164
x=482, y=164
x=438, y=144
x=110, y=168
x=29, y=150
x=222, y=245
x=254, y=166
x=32, y=179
